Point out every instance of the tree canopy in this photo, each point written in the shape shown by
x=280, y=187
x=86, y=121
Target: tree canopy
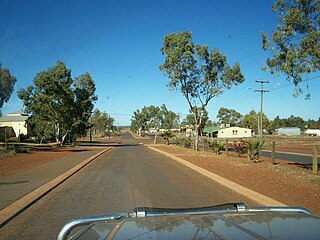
x=154, y=117
x=228, y=116
x=7, y=82
x=295, y=42
x=204, y=120
x=198, y=73
x=250, y=120
x=59, y=105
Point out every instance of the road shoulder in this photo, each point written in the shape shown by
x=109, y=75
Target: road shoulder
x=34, y=195
x=273, y=181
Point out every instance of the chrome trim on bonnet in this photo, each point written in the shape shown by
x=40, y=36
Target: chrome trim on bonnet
x=279, y=209
x=67, y=228
x=142, y=212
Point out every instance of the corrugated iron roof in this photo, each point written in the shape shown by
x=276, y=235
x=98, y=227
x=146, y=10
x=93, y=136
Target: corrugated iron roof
x=14, y=117
x=211, y=129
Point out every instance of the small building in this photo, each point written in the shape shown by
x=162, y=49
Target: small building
x=229, y=132
x=313, y=132
x=17, y=121
x=289, y=131
x=234, y=132
x=211, y=132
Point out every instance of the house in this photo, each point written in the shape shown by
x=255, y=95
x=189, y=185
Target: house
x=211, y=131
x=313, y=132
x=290, y=131
x=234, y=132
x=229, y=132
x=17, y=121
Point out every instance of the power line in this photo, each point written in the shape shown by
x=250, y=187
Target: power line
x=243, y=98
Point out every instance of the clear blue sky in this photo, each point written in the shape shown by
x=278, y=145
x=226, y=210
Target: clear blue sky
x=118, y=42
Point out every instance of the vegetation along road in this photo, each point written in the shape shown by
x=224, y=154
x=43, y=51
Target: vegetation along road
x=128, y=176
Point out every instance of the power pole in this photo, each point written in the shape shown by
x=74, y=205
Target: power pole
x=261, y=103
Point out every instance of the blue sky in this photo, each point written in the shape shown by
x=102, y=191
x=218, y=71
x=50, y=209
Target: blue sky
x=118, y=43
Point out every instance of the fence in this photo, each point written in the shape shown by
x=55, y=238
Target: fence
x=303, y=146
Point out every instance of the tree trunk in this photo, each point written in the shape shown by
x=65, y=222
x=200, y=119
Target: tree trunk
x=57, y=133
x=196, y=141
x=197, y=126
x=63, y=138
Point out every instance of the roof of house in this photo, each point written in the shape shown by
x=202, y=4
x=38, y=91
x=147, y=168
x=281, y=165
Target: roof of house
x=289, y=128
x=14, y=117
x=216, y=129
x=211, y=129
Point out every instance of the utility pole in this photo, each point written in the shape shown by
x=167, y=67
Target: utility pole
x=261, y=90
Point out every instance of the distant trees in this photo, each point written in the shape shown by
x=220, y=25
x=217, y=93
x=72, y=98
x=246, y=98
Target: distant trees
x=251, y=120
x=154, y=117
x=147, y=117
x=60, y=106
x=204, y=119
x=294, y=121
x=313, y=124
x=295, y=42
x=101, y=123
x=198, y=73
x=228, y=116
x=7, y=82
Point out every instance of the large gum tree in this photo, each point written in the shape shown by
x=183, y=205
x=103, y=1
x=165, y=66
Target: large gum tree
x=59, y=105
x=7, y=82
x=294, y=43
x=198, y=73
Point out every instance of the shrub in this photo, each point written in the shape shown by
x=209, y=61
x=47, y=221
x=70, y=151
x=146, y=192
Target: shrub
x=167, y=136
x=217, y=147
x=23, y=137
x=239, y=147
x=254, y=149
x=184, y=142
x=7, y=152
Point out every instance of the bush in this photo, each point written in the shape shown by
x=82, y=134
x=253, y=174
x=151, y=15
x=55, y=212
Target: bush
x=239, y=147
x=217, y=147
x=23, y=137
x=167, y=136
x=254, y=149
x=184, y=142
x=7, y=152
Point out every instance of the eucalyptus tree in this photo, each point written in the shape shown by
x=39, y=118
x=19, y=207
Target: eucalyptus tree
x=228, y=116
x=99, y=122
x=251, y=120
x=7, y=82
x=198, y=73
x=204, y=119
x=169, y=119
x=154, y=117
x=295, y=43
x=58, y=104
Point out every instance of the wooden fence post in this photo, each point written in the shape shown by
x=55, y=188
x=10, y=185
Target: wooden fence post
x=204, y=144
x=5, y=138
x=273, y=154
x=315, y=160
x=227, y=147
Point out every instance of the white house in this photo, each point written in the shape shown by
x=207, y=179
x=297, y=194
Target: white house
x=17, y=121
x=290, y=131
x=234, y=132
x=313, y=132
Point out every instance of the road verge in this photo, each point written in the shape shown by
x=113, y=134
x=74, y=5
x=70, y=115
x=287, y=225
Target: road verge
x=255, y=196
x=14, y=209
